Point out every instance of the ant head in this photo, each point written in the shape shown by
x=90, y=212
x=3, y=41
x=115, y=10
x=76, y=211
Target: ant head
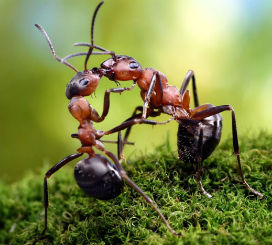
x=82, y=84
x=122, y=68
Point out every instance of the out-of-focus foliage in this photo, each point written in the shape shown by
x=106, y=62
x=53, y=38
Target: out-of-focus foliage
x=227, y=44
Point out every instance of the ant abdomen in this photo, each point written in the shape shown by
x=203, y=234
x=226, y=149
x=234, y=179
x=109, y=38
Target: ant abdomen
x=190, y=146
x=98, y=178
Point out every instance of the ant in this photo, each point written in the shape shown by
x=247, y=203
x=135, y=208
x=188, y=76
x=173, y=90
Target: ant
x=96, y=175
x=199, y=129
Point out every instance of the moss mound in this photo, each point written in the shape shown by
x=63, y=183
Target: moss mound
x=232, y=216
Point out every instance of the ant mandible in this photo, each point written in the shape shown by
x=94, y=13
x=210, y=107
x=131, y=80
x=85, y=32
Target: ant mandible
x=199, y=129
x=95, y=174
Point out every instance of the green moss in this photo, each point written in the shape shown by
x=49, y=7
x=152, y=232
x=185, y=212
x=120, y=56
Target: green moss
x=232, y=216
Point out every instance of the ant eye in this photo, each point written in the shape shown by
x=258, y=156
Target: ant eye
x=83, y=82
x=133, y=65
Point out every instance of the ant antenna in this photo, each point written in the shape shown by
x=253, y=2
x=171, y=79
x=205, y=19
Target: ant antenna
x=85, y=53
x=52, y=48
x=104, y=51
x=92, y=40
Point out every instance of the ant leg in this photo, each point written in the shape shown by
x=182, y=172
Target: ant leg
x=190, y=75
x=149, y=201
x=115, y=142
x=124, y=176
x=106, y=141
x=134, y=115
x=95, y=117
x=132, y=122
x=215, y=110
x=120, y=147
x=51, y=171
x=150, y=90
x=199, y=160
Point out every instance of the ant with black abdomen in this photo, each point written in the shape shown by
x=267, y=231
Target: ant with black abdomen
x=199, y=129
x=96, y=175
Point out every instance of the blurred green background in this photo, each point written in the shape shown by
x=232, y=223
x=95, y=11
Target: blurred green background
x=227, y=43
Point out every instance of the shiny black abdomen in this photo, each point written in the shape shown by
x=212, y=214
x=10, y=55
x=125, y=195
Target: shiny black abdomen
x=98, y=178
x=188, y=137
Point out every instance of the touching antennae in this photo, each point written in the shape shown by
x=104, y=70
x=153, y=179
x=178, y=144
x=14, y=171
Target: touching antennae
x=92, y=39
x=96, y=47
x=52, y=48
x=89, y=45
x=84, y=53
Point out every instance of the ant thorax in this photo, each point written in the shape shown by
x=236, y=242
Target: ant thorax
x=80, y=108
x=144, y=80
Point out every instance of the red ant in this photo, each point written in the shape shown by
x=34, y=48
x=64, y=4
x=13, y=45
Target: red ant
x=95, y=174
x=199, y=129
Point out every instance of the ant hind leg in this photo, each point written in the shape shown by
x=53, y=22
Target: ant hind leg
x=51, y=171
x=124, y=176
x=200, y=115
x=199, y=160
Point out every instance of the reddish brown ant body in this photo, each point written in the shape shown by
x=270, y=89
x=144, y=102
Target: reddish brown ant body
x=199, y=129
x=95, y=174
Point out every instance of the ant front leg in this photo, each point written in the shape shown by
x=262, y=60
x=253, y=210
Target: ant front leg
x=155, y=79
x=132, y=122
x=124, y=176
x=150, y=112
x=51, y=171
x=106, y=141
x=215, y=110
x=135, y=115
x=190, y=75
x=95, y=116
